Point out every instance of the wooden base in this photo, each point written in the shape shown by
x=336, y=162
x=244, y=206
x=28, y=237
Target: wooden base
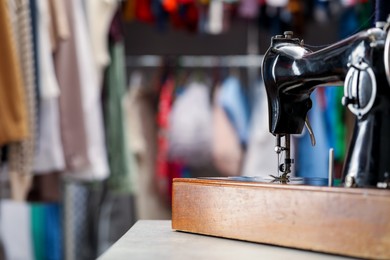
x=352, y=222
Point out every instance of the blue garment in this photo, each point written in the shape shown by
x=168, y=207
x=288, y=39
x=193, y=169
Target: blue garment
x=313, y=161
x=160, y=15
x=335, y=126
x=330, y=116
x=235, y=103
x=349, y=23
x=53, y=232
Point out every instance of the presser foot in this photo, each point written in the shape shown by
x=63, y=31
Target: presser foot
x=283, y=179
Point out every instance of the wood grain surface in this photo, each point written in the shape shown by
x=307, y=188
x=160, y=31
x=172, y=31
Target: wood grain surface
x=352, y=222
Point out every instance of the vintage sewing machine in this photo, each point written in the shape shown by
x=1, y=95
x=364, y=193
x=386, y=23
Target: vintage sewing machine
x=352, y=220
x=291, y=72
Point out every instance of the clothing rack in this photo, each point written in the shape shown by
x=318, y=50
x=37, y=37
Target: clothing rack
x=204, y=61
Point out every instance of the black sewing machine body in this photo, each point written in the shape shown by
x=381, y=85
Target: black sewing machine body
x=291, y=72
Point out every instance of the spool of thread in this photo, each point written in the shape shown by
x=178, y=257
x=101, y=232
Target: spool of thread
x=382, y=10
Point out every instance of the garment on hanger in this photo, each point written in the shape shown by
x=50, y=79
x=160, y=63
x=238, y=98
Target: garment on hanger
x=143, y=10
x=99, y=15
x=142, y=136
x=72, y=121
x=53, y=231
x=121, y=161
x=15, y=228
x=34, y=31
x=46, y=230
x=60, y=25
x=128, y=10
x=13, y=111
x=49, y=156
x=190, y=126
x=160, y=15
x=277, y=3
x=335, y=121
x=21, y=154
x=186, y=17
x=236, y=105
x=91, y=101
x=37, y=226
x=49, y=84
x=162, y=117
x=260, y=159
x=215, y=19
x=75, y=221
x=226, y=147
x=312, y=161
x=249, y=8
x=170, y=5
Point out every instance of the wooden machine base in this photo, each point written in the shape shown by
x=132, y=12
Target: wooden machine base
x=352, y=222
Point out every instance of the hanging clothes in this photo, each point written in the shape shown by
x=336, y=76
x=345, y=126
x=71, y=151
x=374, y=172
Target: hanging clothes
x=72, y=121
x=143, y=10
x=15, y=226
x=249, y=8
x=215, y=17
x=99, y=15
x=121, y=161
x=227, y=150
x=13, y=111
x=49, y=84
x=49, y=156
x=34, y=31
x=190, y=126
x=335, y=121
x=277, y=3
x=46, y=231
x=91, y=100
x=142, y=136
x=37, y=227
x=21, y=154
x=160, y=15
x=313, y=161
x=260, y=159
x=60, y=30
x=164, y=109
x=128, y=10
x=53, y=233
x=75, y=221
x=236, y=105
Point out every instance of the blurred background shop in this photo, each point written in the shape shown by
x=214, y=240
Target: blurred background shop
x=104, y=102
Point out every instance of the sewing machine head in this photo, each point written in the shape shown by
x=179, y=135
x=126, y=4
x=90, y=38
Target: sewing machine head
x=292, y=71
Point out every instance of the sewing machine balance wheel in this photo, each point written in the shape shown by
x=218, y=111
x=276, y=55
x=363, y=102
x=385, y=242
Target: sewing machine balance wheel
x=386, y=55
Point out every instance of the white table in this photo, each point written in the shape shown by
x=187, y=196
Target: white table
x=155, y=239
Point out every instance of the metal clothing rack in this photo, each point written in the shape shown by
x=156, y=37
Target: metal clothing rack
x=204, y=61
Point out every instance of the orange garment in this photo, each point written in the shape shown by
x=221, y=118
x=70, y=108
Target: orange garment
x=21, y=154
x=170, y=5
x=128, y=11
x=13, y=112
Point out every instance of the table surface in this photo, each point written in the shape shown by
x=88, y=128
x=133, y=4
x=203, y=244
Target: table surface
x=155, y=239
